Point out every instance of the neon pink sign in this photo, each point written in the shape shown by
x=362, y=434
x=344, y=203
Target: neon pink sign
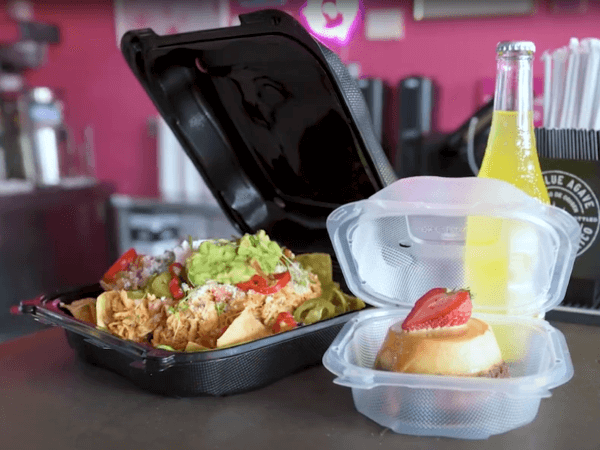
x=331, y=19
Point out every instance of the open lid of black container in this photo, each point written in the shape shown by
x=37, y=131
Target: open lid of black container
x=272, y=120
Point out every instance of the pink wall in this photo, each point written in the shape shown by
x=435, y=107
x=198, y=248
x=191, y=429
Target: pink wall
x=458, y=54
x=100, y=90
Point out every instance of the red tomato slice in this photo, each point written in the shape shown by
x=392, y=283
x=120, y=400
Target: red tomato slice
x=120, y=265
x=254, y=283
x=282, y=279
x=260, y=285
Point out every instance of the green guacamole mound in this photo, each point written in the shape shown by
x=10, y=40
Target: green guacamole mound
x=229, y=262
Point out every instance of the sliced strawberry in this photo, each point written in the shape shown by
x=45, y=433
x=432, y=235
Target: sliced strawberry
x=439, y=308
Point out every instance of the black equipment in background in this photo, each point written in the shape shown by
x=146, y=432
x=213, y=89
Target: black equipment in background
x=379, y=98
x=460, y=153
x=416, y=97
x=373, y=90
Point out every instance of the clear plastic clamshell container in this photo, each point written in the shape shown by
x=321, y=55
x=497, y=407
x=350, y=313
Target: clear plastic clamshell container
x=425, y=232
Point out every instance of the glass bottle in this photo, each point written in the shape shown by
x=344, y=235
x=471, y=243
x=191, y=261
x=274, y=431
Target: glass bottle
x=501, y=257
x=511, y=153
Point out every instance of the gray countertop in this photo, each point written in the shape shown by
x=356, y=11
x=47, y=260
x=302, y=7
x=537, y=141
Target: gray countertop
x=50, y=399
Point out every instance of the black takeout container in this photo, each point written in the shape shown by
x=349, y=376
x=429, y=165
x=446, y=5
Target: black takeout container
x=281, y=134
x=222, y=372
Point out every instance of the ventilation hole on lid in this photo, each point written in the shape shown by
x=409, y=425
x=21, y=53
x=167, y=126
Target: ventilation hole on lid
x=404, y=244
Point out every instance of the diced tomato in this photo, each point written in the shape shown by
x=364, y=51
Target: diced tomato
x=176, y=289
x=284, y=322
x=120, y=265
x=221, y=294
x=176, y=269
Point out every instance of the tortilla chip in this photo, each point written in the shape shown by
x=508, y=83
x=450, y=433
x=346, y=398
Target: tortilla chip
x=319, y=264
x=84, y=309
x=101, y=309
x=244, y=327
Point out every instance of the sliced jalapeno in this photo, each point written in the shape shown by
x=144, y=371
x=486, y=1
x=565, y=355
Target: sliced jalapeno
x=339, y=301
x=322, y=311
x=136, y=294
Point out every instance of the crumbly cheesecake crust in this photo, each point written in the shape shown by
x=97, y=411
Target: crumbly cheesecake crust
x=497, y=371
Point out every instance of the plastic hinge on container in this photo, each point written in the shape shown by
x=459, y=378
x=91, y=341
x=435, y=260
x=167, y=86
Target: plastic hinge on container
x=333, y=358
x=562, y=359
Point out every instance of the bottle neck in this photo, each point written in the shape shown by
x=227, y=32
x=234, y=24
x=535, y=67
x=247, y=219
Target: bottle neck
x=514, y=82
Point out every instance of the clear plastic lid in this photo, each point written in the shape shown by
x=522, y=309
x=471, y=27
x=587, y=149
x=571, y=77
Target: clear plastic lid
x=513, y=252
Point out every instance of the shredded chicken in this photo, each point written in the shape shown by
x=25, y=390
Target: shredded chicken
x=202, y=317
x=192, y=324
x=268, y=307
x=134, y=319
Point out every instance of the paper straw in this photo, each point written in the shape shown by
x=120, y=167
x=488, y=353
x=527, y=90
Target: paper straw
x=596, y=124
x=568, y=107
x=584, y=54
x=559, y=58
x=595, y=108
x=547, y=59
x=590, y=83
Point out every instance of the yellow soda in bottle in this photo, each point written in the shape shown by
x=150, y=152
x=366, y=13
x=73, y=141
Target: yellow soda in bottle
x=498, y=267
x=511, y=153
